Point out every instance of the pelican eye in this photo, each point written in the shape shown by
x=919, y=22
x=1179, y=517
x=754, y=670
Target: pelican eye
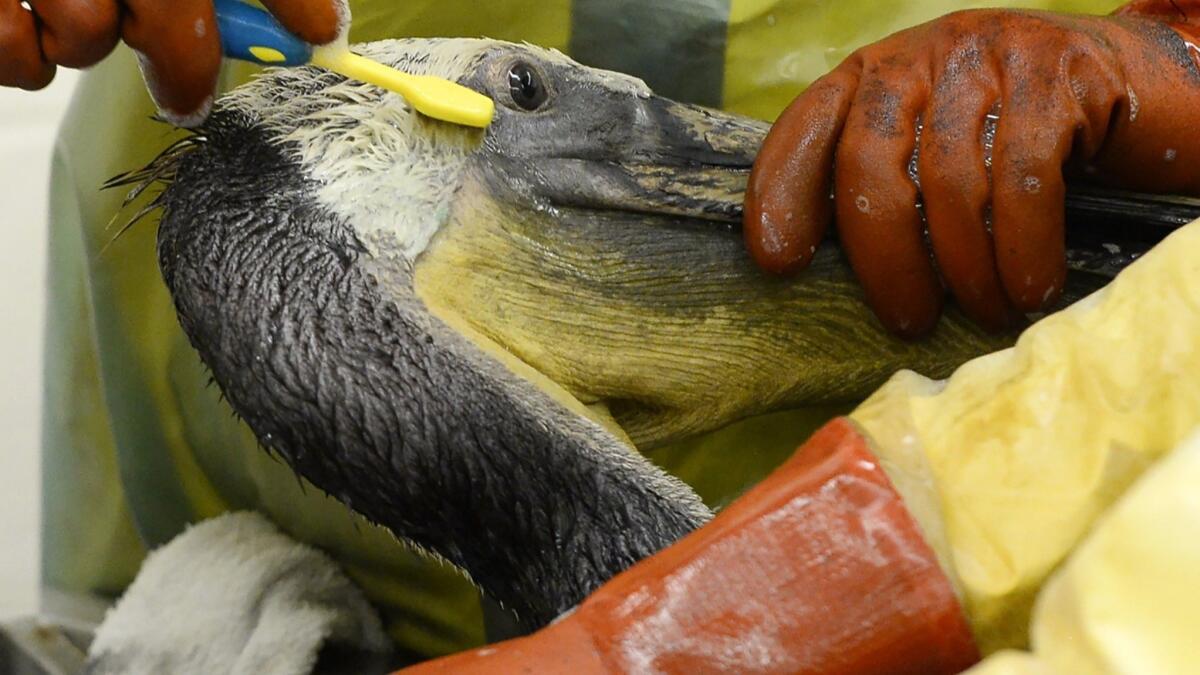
x=526, y=87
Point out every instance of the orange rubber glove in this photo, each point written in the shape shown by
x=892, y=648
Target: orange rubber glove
x=177, y=40
x=1115, y=98
x=818, y=569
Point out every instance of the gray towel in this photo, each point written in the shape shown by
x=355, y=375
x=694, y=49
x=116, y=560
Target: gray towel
x=235, y=595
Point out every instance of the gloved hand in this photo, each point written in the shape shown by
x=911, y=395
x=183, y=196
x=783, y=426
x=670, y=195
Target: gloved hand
x=1114, y=98
x=177, y=41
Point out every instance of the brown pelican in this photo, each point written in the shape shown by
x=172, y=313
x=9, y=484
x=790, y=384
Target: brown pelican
x=468, y=336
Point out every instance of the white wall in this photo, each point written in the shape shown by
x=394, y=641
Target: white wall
x=28, y=122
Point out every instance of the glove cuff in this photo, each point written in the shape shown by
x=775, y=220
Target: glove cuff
x=1174, y=12
x=820, y=568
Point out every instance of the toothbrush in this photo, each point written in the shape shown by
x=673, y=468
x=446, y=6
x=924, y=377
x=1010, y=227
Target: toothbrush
x=252, y=34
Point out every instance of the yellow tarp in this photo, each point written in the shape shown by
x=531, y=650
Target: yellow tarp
x=1010, y=463
x=1128, y=598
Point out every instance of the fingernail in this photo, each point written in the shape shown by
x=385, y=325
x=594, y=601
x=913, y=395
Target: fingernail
x=188, y=119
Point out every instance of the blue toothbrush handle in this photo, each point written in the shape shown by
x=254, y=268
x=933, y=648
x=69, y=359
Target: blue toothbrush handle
x=251, y=34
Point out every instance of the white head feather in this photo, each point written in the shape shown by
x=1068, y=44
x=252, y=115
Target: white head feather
x=390, y=172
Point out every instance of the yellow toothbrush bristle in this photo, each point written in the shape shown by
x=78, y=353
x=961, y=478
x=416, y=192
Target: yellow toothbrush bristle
x=432, y=96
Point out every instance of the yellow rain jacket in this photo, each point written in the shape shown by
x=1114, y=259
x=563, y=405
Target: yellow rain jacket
x=137, y=444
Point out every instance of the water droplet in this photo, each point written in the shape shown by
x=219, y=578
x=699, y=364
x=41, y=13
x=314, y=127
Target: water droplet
x=1079, y=88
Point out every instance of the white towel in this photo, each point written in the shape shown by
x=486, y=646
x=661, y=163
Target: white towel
x=235, y=595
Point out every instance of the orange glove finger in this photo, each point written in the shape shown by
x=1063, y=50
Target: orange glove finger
x=180, y=53
x=1034, y=137
x=21, y=61
x=954, y=185
x=1153, y=142
x=787, y=199
x=315, y=21
x=876, y=201
x=78, y=33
